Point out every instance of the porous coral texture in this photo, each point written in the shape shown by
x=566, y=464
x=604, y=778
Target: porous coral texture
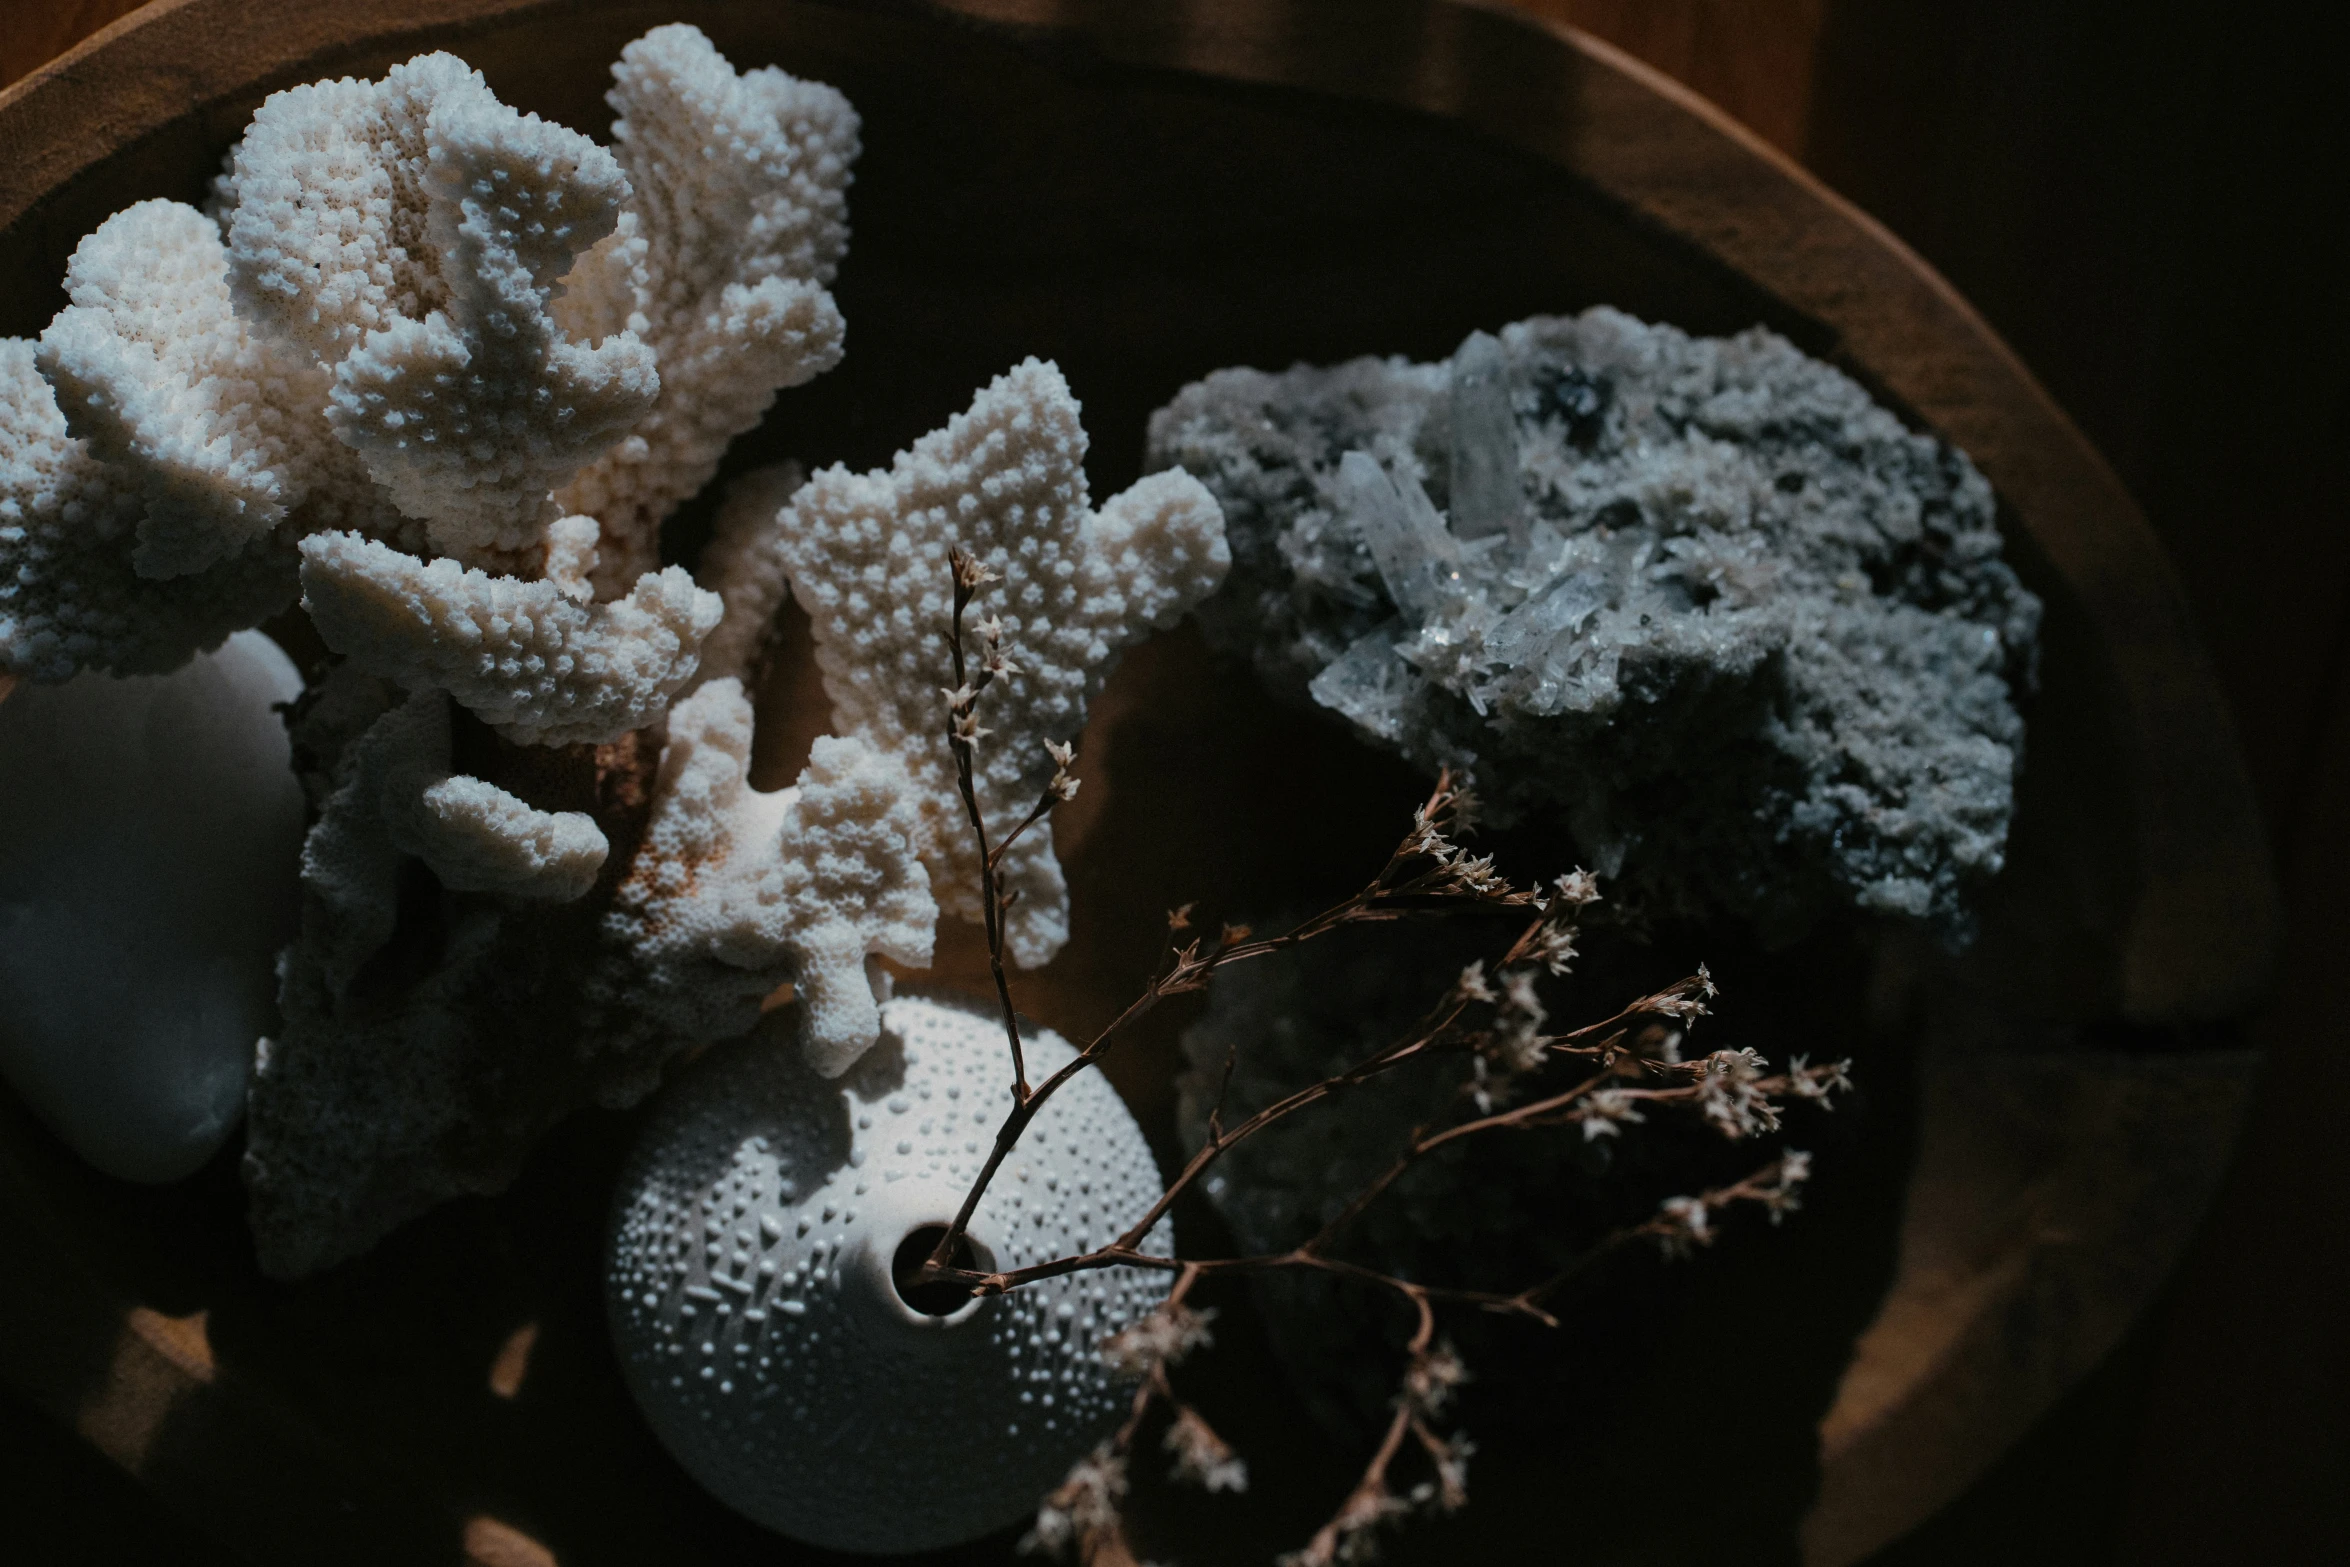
x=735, y=224
x=395, y=797
x=1005, y=482
x=537, y=664
x=217, y=426
x=410, y=234
x=736, y=891
x=1747, y=634
x=368, y=334
x=435, y=1009
x=69, y=597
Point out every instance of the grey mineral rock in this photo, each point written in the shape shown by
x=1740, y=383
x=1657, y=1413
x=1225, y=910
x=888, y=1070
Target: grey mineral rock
x=1746, y=631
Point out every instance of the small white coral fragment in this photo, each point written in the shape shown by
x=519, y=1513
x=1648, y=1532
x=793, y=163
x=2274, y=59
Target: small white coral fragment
x=536, y=664
x=736, y=221
x=395, y=797
x=804, y=884
x=410, y=233
x=478, y=838
x=1005, y=482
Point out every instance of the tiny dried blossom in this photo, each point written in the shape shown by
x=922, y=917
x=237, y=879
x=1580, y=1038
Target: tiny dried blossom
x=1203, y=1458
x=960, y=698
x=1553, y=945
x=1515, y=1045
x=1783, y=1195
x=1451, y=1458
x=1576, y=889
x=1084, y=1506
x=1685, y=1000
x=1816, y=1083
x=1734, y=1093
x=1681, y=1226
x=1432, y=1378
x=1604, y=1110
x=1063, y=753
x=972, y=573
x=969, y=731
x=1477, y=877
x=1161, y=1339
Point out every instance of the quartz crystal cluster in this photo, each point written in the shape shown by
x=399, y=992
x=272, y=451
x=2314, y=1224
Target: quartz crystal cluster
x=1746, y=633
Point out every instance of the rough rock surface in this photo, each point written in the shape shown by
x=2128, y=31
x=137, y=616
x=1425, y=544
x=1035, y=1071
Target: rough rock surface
x=1749, y=634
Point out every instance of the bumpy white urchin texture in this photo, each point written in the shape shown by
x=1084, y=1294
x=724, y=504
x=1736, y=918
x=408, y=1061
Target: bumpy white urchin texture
x=751, y=1299
x=1005, y=482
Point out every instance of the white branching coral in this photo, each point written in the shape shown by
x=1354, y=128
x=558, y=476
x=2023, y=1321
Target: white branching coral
x=431, y=326
x=394, y=796
x=536, y=663
x=410, y=233
x=1005, y=483
x=216, y=425
x=736, y=223
x=735, y=891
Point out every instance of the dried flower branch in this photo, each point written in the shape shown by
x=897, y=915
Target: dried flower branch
x=1492, y=1015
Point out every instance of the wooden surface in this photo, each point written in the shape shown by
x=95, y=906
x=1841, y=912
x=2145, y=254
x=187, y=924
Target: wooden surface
x=1760, y=58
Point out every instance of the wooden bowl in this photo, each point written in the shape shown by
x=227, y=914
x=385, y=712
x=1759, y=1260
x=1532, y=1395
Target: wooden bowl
x=1144, y=192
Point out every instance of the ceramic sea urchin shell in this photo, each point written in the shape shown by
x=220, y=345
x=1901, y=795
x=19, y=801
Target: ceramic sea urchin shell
x=750, y=1281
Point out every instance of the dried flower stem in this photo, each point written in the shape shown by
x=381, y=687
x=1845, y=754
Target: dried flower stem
x=1636, y=1054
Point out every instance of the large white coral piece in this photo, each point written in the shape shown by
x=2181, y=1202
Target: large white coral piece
x=410, y=233
x=1005, y=482
x=736, y=222
x=536, y=663
x=804, y=884
x=370, y=336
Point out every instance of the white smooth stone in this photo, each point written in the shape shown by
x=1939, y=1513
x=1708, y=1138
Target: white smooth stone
x=150, y=850
x=750, y=1296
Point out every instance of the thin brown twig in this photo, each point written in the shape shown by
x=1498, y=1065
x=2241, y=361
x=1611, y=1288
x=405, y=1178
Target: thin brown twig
x=1426, y=873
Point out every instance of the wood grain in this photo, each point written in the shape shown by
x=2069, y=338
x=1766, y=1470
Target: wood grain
x=34, y=32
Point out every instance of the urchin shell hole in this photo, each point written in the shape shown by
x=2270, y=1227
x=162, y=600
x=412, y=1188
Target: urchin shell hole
x=938, y=1297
